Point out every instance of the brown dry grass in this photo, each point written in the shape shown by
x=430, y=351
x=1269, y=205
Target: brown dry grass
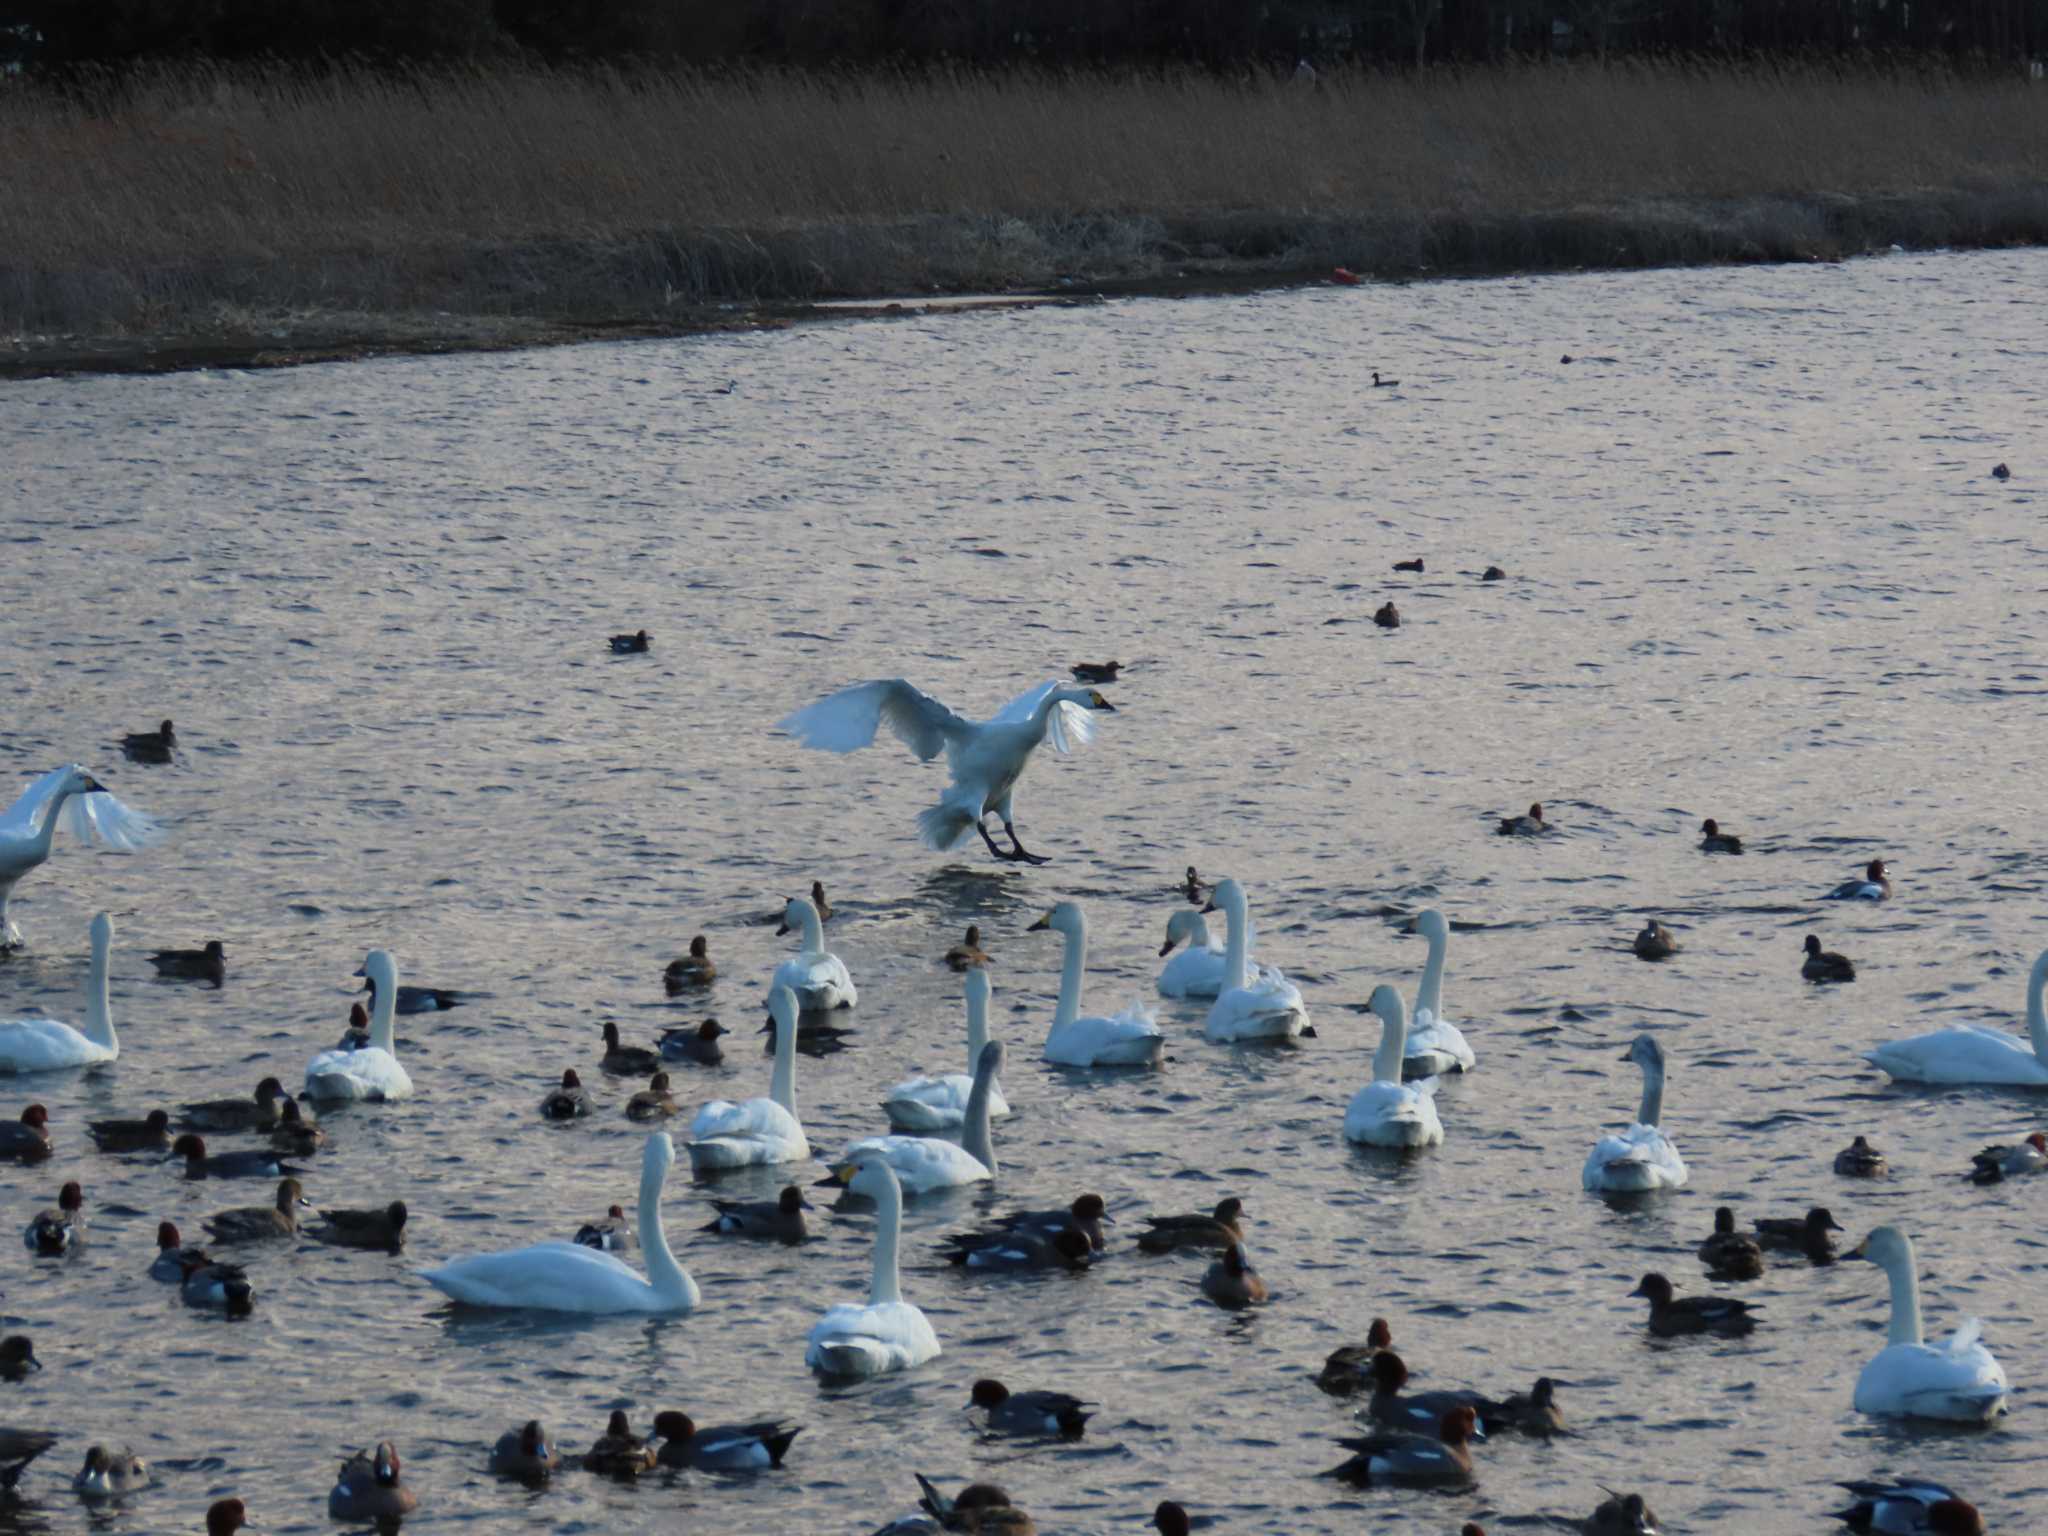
x=207, y=197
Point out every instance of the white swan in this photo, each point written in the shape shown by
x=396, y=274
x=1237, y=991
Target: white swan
x=759, y=1131
x=1971, y=1053
x=568, y=1277
x=1387, y=1112
x=1435, y=1044
x=923, y=1105
x=1198, y=970
x=888, y=1334
x=818, y=977
x=1256, y=1003
x=372, y=1074
x=1909, y=1378
x=1127, y=1039
x=90, y=814
x=986, y=758
x=925, y=1163
x=1640, y=1158
x=45, y=1045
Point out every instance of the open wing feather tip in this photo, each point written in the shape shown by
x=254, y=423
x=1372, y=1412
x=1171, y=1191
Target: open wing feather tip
x=847, y=720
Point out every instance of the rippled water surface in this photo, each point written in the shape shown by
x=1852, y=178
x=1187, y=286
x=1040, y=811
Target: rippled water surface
x=1757, y=569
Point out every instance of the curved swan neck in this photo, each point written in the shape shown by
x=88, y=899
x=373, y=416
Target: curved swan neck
x=1905, y=1296
x=99, y=1017
x=887, y=1288
x=814, y=930
x=1652, y=1109
x=974, y=1137
x=1239, y=942
x=1070, y=977
x=382, y=1035
x=663, y=1272
x=1386, y=1061
x=1429, y=997
x=782, y=1083
x=1198, y=932
x=2037, y=1018
x=977, y=1020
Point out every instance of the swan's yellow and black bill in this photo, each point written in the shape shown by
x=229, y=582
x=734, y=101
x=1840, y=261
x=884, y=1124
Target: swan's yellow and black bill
x=1043, y=922
x=841, y=1175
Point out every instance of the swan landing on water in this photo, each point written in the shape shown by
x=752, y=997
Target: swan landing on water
x=986, y=758
x=90, y=813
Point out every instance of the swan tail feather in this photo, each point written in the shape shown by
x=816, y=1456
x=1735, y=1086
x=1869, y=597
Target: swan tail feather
x=943, y=826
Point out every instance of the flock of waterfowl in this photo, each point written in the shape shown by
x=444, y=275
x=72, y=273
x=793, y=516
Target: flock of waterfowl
x=942, y=1135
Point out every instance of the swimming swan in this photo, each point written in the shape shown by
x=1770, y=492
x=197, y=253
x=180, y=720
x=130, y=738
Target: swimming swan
x=922, y=1164
x=1261, y=1005
x=46, y=1045
x=90, y=813
x=1127, y=1039
x=1435, y=1044
x=986, y=758
x=888, y=1334
x=371, y=1075
x=1198, y=970
x=759, y=1131
x=923, y=1105
x=1909, y=1378
x=1387, y=1112
x=1640, y=1158
x=817, y=976
x=1971, y=1053
x=568, y=1277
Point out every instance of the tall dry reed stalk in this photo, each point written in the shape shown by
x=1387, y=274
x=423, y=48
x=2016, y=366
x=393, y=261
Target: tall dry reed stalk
x=204, y=192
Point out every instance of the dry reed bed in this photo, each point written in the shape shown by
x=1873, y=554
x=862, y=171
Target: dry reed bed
x=206, y=198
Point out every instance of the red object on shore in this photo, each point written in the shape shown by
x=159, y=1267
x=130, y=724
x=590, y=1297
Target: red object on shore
x=1344, y=275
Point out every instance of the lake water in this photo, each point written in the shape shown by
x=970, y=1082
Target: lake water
x=1757, y=569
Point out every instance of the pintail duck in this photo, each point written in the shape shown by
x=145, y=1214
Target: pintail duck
x=968, y=953
x=55, y=1232
x=152, y=1134
x=652, y=1102
x=1030, y=1413
x=26, y=1140
x=1219, y=1229
x=383, y=1228
x=1806, y=1234
x=627, y=1060
x=979, y=1509
x=1655, y=942
x=1021, y=1249
x=258, y=1112
x=1860, y=1160
x=1533, y=1412
x=261, y=1223
x=1401, y=1457
x=526, y=1453
x=1994, y=1164
x=568, y=1100
x=369, y=1488
x=1348, y=1369
x=1232, y=1282
x=1194, y=887
x=1824, y=964
x=618, y=1452
x=259, y=1163
x=699, y=1045
x=722, y=1447
x=1530, y=825
x=1876, y=885
x=1729, y=1254
x=1714, y=840
x=294, y=1134
x=779, y=1220
x=1096, y=671
x=109, y=1474
x=17, y=1358
x=208, y=964
x=613, y=1234
x=627, y=645
x=692, y=970
x=1672, y=1315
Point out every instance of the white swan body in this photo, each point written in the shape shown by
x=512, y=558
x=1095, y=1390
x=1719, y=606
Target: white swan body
x=986, y=758
x=1387, y=1112
x=1909, y=1378
x=1435, y=1044
x=371, y=1074
x=888, y=1334
x=922, y=1164
x=1127, y=1039
x=90, y=814
x=923, y=1105
x=49, y=1045
x=818, y=977
x=758, y=1131
x=1641, y=1158
x=1198, y=970
x=1972, y=1054
x=1252, y=1006
x=568, y=1277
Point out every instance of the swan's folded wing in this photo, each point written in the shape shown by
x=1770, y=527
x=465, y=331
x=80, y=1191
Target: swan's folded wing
x=847, y=720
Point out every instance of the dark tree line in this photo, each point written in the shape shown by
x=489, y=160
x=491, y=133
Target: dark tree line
x=1211, y=34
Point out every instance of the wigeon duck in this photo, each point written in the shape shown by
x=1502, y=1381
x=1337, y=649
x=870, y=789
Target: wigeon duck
x=1096, y=671
x=55, y=1232
x=526, y=1453
x=1020, y=1250
x=1387, y=616
x=1729, y=1254
x=627, y=1060
x=17, y=1357
x=699, y=1045
x=1714, y=840
x=262, y=1163
x=1672, y=1315
x=612, y=1234
x=968, y=953
x=150, y=746
x=627, y=645
x=979, y=1509
x=357, y=1036
x=1860, y=1160
x=261, y=1223
x=1824, y=964
x=692, y=970
x=1403, y=1457
x=148, y=1135
x=255, y=1113
x=1349, y=1369
x=1232, y=1282
x=412, y=999
x=1194, y=887
x=1533, y=1412
x=618, y=1452
x=1171, y=1519
x=294, y=1134
x=208, y=964
x=214, y=1286
x=19, y=1447
x=1421, y=1412
x=109, y=1474
x=779, y=1220
x=1876, y=885
x=173, y=1259
x=1530, y=825
x=381, y=1228
x=818, y=900
x=1086, y=1215
x=26, y=1140
x=1806, y=1234
x=1414, y=565
x=1655, y=942
x=1493, y=573
x=567, y=1100
x=1996, y=1163
x=652, y=1102
x=1910, y=1507
x=1621, y=1514
x=722, y=1447
x=368, y=1488
x=1219, y=1229
x=224, y=1517
x=1029, y=1413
